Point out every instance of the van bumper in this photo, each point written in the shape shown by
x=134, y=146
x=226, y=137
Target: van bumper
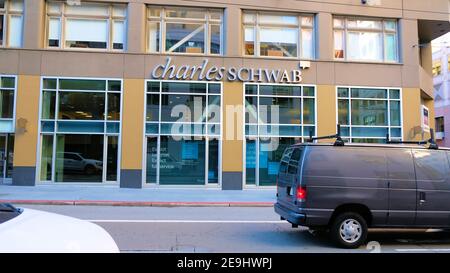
x=291, y=216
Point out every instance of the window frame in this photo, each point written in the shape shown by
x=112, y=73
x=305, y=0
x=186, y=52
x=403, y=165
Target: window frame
x=207, y=21
x=63, y=17
x=205, y=136
x=387, y=99
x=55, y=133
x=7, y=14
x=257, y=25
x=383, y=31
x=13, y=118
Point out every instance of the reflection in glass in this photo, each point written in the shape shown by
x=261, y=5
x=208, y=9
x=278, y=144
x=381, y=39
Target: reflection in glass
x=152, y=107
x=395, y=113
x=213, y=161
x=6, y=103
x=215, y=39
x=369, y=112
x=250, y=161
x=343, y=112
x=81, y=105
x=152, y=159
x=46, y=157
x=79, y=158
x=189, y=108
x=185, y=157
x=113, y=106
x=48, y=104
x=186, y=38
x=308, y=111
x=112, y=156
x=288, y=110
x=278, y=42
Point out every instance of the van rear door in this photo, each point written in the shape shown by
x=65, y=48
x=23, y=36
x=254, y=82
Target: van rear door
x=288, y=176
x=433, y=188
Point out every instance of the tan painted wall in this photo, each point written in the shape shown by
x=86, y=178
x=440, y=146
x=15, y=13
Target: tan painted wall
x=326, y=110
x=27, y=113
x=411, y=102
x=132, y=129
x=232, y=145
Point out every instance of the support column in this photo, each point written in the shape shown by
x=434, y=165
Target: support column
x=33, y=24
x=26, y=131
x=132, y=133
x=411, y=112
x=232, y=145
x=326, y=110
x=233, y=36
x=324, y=35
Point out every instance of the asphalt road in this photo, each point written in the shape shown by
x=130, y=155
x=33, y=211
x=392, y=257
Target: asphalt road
x=232, y=229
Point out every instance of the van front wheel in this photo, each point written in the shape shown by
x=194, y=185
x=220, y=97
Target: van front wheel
x=349, y=230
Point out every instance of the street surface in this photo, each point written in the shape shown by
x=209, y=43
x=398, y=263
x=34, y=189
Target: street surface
x=232, y=229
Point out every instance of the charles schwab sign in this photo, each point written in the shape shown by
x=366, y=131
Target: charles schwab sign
x=202, y=72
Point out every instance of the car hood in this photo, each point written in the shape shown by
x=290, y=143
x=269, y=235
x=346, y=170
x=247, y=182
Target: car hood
x=39, y=231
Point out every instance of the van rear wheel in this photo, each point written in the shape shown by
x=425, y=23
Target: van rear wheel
x=349, y=230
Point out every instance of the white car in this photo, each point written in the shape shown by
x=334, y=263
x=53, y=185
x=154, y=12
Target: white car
x=28, y=230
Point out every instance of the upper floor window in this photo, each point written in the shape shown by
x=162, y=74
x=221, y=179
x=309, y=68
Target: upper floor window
x=365, y=39
x=184, y=30
x=437, y=68
x=11, y=23
x=277, y=35
x=89, y=25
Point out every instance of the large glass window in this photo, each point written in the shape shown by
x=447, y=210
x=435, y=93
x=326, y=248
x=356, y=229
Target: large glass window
x=362, y=39
x=278, y=35
x=7, y=103
x=11, y=23
x=276, y=116
x=89, y=25
x=184, y=30
x=369, y=114
x=80, y=128
x=183, y=131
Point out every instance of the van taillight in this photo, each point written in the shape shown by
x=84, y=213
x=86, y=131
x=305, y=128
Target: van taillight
x=301, y=193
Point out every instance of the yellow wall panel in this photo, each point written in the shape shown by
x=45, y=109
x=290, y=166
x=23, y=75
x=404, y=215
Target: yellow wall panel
x=326, y=110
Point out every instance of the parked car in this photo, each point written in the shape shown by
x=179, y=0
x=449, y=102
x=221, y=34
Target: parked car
x=75, y=162
x=346, y=189
x=28, y=230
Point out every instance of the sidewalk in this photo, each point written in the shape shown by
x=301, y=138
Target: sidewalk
x=114, y=196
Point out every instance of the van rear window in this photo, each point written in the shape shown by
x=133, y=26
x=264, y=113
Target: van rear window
x=285, y=160
x=293, y=162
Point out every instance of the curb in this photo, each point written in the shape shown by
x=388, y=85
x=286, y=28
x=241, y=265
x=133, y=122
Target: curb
x=137, y=203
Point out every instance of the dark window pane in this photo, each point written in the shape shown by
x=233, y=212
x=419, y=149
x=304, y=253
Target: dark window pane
x=395, y=113
x=152, y=157
x=79, y=158
x=114, y=86
x=113, y=106
x=112, y=153
x=343, y=112
x=280, y=90
x=50, y=83
x=183, y=87
x=117, y=46
x=48, y=104
x=53, y=43
x=214, y=88
x=81, y=105
x=394, y=94
x=1, y=26
x=343, y=92
x=213, y=161
x=152, y=107
x=185, y=157
x=153, y=86
x=308, y=91
x=308, y=111
x=7, y=82
x=6, y=103
x=369, y=93
x=250, y=162
x=46, y=157
x=215, y=39
x=251, y=89
x=73, y=84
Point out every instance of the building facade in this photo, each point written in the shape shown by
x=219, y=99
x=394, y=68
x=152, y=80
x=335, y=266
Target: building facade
x=140, y=93
x=441, y=82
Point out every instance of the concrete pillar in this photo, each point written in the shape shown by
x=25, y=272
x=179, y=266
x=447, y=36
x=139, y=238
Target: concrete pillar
x=324, y=36
x=26, y=131
x=233, y=31
x=132, y=133
x=136, y=27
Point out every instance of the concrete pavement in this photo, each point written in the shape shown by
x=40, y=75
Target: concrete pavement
x=64, y=194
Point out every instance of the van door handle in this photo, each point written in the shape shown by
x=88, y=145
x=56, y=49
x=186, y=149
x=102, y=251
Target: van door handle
x=422, y=197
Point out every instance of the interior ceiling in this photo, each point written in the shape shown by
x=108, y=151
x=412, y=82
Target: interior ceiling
x=430, y=30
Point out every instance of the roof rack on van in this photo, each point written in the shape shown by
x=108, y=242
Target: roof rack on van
x=433, y=145
x=337, y=136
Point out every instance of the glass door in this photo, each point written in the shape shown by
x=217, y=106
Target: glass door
x=6, y=158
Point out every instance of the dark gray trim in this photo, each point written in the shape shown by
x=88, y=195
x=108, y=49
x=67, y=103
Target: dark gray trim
x=24, y=176
x=131, y=179
x=231, y=180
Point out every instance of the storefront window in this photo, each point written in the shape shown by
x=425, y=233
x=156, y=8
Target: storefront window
x=184, y=30
x=7, y=103
x=80, y=127
x=365, y=39
x=183, y=130
x=369, y=114
x=11, y=23
x=276, y=116
x=278, y=35
x=89, y=25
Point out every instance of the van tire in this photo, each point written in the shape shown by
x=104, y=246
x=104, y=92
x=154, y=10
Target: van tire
x=352, y=222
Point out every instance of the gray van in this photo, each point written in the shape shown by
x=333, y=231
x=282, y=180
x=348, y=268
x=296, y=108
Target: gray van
x=345, y=189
